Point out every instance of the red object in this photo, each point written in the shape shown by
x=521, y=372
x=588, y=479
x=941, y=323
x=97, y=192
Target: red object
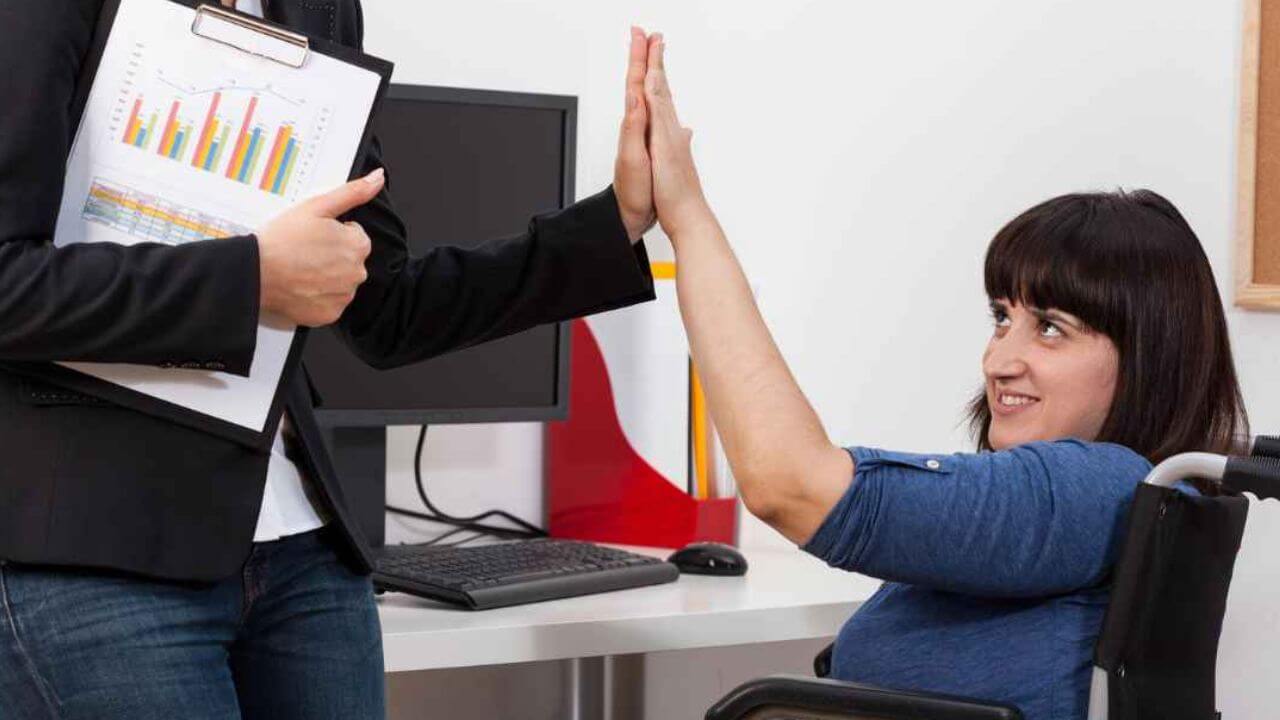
x=598, y=486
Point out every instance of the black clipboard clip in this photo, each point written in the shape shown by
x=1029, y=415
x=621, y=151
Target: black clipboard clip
x=250, y=35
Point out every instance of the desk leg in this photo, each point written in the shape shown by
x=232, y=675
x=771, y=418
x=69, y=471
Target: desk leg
x=605, y=688
x=585, y=692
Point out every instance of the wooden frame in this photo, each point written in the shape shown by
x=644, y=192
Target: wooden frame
x=1258, y=166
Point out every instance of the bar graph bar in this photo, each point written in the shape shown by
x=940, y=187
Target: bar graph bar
x=150, y=217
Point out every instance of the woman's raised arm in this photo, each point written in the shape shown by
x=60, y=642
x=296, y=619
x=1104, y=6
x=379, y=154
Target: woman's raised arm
x=789, y=473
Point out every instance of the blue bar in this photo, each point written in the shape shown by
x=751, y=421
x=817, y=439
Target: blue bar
x=248, y=154
x=142, y=136
x=284, y=164
x=177, y=144
x=213, y=151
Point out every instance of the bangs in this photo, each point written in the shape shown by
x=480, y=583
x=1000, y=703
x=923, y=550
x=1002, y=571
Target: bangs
x=1066, y=254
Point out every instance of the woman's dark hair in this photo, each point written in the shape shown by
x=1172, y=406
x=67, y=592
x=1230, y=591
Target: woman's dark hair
x=1130, y=267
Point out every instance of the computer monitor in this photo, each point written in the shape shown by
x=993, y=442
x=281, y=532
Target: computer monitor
x=465, y=167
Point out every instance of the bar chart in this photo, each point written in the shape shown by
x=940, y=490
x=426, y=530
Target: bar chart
x=260, y=137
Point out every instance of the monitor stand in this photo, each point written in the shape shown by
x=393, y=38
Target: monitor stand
x=360, y=458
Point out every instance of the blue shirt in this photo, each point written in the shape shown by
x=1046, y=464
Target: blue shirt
x=996, y=564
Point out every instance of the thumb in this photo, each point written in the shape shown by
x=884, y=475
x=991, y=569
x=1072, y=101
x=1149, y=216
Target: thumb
x=347, y=196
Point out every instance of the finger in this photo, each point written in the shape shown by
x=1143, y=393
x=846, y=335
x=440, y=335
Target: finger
x=634, y=118
x=359, y=238
x=636, y=63
x=653, y=63
x=655, y=82
x=654, y=59
x=347, y=196
x=662, y=109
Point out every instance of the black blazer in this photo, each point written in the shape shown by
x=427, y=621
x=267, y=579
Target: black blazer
x=84, y=482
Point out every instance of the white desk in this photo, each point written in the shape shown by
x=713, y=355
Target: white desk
x=785, y=595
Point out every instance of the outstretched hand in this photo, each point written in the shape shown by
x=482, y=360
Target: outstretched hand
x=677, y=189
x=632, y=174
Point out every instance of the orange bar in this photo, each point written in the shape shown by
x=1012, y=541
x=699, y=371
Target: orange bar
x=206, y=135
x=277, y=150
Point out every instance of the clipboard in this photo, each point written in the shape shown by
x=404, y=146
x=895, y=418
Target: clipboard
x=261, y=41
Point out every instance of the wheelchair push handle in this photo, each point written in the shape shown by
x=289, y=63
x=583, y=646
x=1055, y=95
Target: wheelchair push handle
x=1265, y=446
x=1257, y=474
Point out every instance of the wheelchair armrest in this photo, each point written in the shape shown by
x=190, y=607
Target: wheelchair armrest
x=787, y=695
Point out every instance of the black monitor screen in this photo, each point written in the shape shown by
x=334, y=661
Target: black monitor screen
x=464, y=167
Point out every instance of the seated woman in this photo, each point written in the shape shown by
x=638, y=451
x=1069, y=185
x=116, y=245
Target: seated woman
x=1109, y=352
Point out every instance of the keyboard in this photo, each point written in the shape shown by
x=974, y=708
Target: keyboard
x=513, y=573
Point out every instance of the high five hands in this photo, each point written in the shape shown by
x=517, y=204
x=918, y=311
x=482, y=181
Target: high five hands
x=654, y=174
x=311, y=263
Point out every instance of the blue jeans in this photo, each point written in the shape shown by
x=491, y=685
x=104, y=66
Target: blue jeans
x=294, y=635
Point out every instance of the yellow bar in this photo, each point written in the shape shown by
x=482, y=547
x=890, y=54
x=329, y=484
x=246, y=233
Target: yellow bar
x=663, y=270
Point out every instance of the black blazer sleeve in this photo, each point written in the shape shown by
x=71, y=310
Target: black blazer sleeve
x=569, y=263
x=147, y=303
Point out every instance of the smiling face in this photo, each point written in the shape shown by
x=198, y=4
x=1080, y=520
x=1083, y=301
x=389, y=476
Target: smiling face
x=1048, y=376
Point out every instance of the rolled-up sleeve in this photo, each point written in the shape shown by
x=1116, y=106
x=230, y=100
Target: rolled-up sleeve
x=1035, y=520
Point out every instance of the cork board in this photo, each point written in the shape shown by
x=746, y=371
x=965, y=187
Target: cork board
x=1258, y=220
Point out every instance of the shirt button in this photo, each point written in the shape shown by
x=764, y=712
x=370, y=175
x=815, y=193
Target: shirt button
x=932, y=464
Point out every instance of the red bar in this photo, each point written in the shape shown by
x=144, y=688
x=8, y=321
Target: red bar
x=233, y=167
x=197, y=158
x=137, y=104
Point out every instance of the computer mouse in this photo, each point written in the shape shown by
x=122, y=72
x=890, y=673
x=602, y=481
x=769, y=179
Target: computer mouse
x=709, y=558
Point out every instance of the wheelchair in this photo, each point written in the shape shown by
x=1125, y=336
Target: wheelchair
x=1174, y=569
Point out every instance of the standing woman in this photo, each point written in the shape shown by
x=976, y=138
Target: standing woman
x=1108, y=353
x=148, y=570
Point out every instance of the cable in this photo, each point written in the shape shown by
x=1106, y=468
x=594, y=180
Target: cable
x=443, y=536
x=494, y=530
x=439, y=539
x=527, y=529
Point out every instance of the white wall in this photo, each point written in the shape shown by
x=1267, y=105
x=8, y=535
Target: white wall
x=861, y=155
